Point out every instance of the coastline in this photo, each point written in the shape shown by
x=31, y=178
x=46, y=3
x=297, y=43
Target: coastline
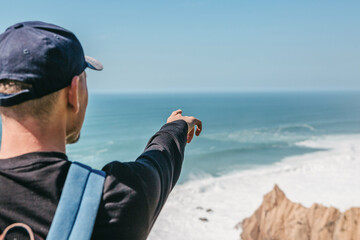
x=327, y=177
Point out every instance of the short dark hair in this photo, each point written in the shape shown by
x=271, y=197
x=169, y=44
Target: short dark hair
x=38, y=108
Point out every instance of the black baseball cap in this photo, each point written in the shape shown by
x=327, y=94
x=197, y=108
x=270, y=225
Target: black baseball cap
x=43, y=55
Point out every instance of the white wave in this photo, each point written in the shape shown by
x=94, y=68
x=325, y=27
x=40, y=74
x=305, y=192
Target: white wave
x=265, y=135
x=296, y=126
x=328, y=177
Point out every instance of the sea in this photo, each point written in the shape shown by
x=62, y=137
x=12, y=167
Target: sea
x=306, y=142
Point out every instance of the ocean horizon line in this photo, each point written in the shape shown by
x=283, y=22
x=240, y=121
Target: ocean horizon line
x=164, y=92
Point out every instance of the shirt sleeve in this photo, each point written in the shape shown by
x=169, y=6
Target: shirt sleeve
x=135, y=192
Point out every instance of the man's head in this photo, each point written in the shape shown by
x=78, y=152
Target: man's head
x=42, y=65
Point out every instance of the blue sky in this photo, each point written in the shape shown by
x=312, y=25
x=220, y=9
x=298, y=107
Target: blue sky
x=205, y=45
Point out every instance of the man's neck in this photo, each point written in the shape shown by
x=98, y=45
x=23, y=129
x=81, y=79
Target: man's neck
x=30, y=136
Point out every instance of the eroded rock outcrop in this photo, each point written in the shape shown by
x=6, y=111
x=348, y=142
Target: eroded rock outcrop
x=279, y=218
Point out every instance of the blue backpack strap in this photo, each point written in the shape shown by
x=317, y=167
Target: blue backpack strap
x=79, y=202
x=84, y=224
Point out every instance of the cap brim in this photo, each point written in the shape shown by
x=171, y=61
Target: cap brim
x=93, y=63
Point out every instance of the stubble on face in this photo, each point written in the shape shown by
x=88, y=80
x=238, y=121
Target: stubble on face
x=74, y=138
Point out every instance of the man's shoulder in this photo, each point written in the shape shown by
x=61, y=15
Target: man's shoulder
x=124, y=210
x=121, y=176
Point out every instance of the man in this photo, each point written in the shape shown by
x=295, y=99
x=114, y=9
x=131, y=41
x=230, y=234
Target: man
x=43, y=99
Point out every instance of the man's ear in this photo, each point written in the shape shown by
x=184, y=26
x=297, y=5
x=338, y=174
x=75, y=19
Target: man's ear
x=73, y=94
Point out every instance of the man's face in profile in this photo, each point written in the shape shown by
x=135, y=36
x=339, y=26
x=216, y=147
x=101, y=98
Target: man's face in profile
x=73, y=131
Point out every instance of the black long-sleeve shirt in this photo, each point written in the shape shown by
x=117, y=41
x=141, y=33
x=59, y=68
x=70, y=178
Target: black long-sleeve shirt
x=134, y=192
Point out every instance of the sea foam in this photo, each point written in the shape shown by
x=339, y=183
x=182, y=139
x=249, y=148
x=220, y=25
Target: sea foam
x=209, y=208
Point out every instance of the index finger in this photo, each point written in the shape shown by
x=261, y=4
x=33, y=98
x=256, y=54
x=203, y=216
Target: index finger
x=176, y=112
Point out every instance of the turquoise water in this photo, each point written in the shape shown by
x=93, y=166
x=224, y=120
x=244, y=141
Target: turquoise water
x=241, y=130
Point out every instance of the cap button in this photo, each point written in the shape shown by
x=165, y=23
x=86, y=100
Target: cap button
x=19, y=25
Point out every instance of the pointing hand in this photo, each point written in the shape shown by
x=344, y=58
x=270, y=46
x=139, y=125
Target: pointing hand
x=191, y=122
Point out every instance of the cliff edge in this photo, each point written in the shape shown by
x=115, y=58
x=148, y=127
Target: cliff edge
x=279, y=218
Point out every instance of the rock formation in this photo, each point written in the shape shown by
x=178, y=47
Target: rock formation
x=278, y=218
